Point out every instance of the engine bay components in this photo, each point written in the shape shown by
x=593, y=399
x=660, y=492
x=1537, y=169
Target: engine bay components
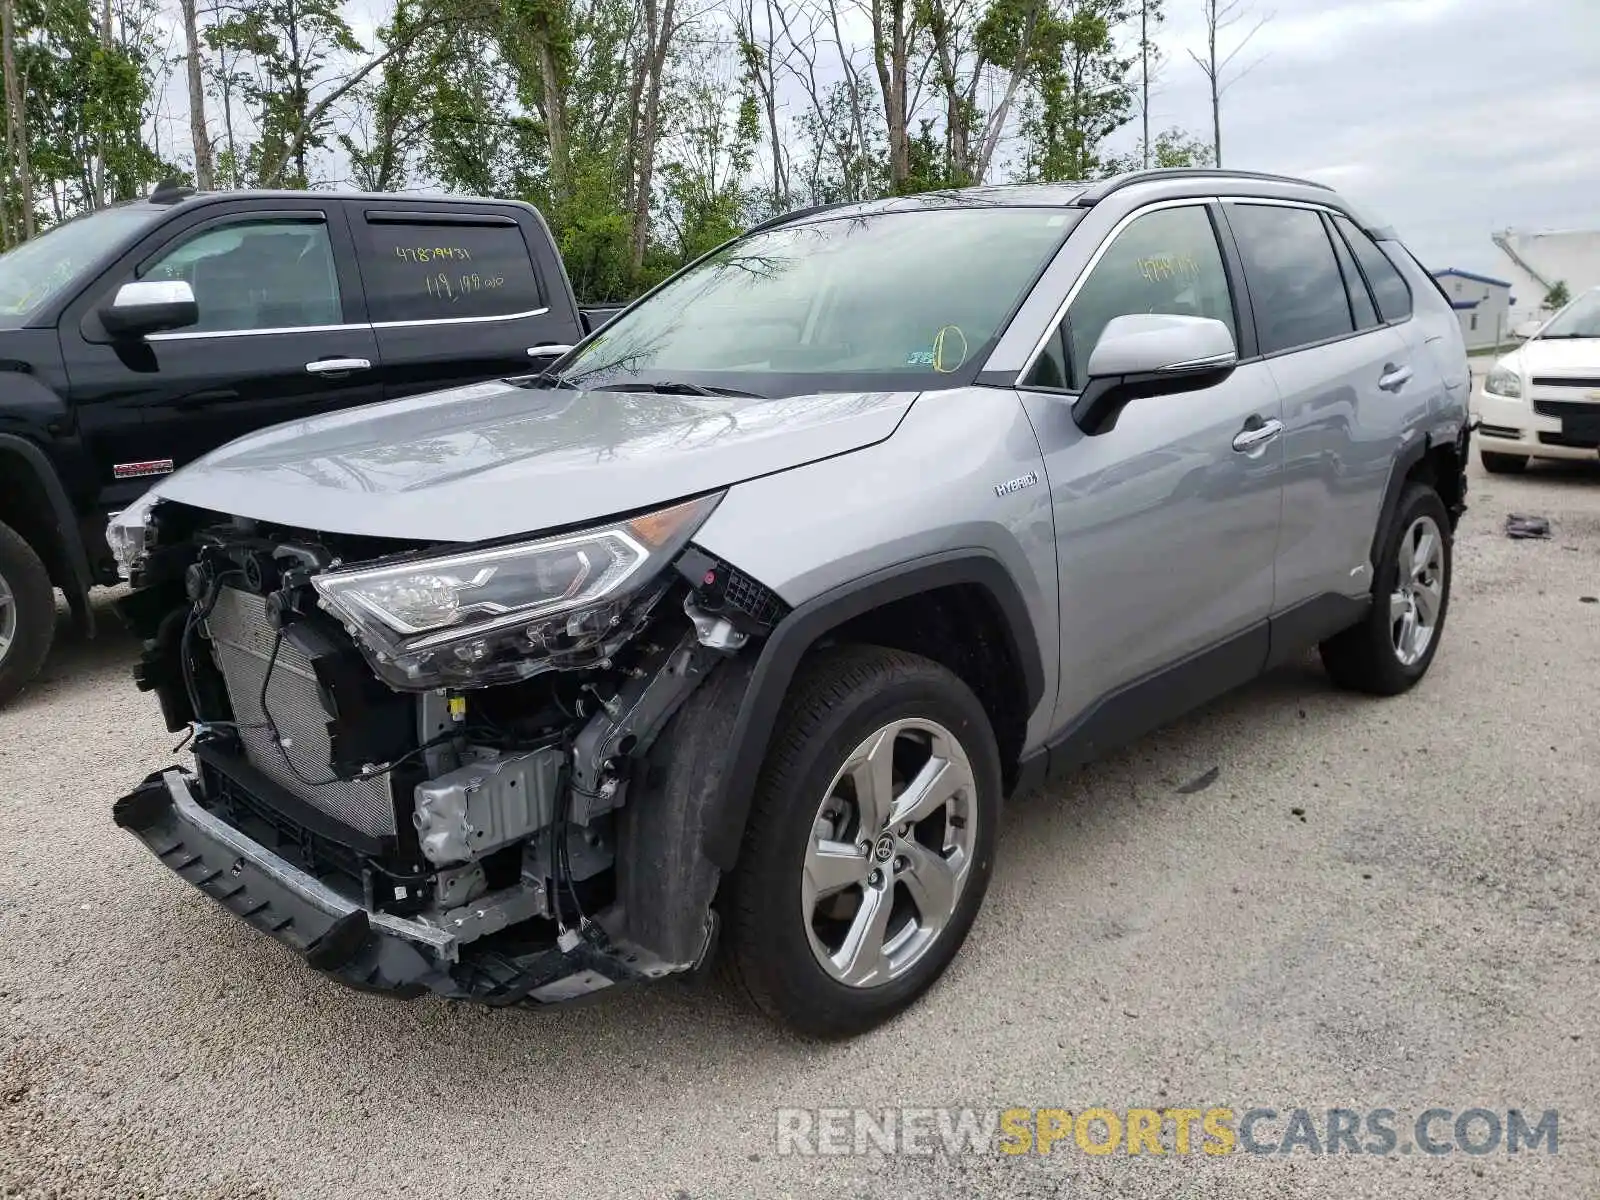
x=489, y=802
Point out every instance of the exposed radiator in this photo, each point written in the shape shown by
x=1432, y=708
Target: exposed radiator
x=243, y=639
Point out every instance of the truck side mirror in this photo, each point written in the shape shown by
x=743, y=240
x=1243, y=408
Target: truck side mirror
x=150, y=306
x=1523, y=330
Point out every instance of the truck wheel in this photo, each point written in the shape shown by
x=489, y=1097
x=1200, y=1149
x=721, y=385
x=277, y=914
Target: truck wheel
x=27, y=613
x=870, y=842
x=1391, y=648
x=1503, y=464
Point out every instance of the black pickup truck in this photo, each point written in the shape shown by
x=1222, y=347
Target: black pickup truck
x=135, y=339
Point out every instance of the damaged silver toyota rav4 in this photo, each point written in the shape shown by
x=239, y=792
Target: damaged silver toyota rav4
x=728, y=634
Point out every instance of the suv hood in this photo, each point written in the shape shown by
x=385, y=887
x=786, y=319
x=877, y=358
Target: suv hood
x=494, y=460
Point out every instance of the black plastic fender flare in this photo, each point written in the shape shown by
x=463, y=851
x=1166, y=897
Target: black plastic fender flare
x=66, y=522
x=1410, y=455
x=801, y=629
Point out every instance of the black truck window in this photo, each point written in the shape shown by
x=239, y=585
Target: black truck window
x=265, y=274
x=420, y=270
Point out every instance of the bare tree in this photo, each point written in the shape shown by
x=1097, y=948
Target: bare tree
x=896, y=28
x=759, y=50
x=660, y=26
x=1222, y=17
x=1151, y=14
x=20, y=177
x=204, y=174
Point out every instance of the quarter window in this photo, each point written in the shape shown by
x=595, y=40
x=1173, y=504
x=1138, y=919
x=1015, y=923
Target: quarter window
x=1360, y=299
x=1295, y=287
x=421, y=271
x=1388, y=285
x=264, y=274
x=1166, y=261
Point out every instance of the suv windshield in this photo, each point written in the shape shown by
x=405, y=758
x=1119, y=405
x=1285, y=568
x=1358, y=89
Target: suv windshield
x=1580, y=319
x=31, y=274
x=891, y=300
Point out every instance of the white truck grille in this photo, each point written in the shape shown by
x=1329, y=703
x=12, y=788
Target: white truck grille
x=242, y=639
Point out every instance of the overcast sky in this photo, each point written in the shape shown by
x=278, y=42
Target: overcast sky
x=1446, y=118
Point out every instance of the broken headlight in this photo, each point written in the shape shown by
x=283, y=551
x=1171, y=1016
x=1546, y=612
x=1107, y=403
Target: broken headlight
x=502, y=613
x=128, y=535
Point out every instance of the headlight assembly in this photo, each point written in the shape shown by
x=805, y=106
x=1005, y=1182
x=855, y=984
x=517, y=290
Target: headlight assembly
x=128, y=535
x=502, y=613
x=1503, y=382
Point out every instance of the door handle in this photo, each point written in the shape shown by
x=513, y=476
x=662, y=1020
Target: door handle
x=1393, y=377
x=337, y=366
x=549, y=350
x=1255, y=436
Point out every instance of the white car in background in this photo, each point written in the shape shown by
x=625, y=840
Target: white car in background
x=1543, y=399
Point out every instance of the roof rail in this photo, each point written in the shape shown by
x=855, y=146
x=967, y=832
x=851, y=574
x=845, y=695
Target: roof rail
x=798, y=214
x=1099, y=191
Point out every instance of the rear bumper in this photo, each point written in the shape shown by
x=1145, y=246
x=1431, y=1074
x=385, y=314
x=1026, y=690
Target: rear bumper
x=335, y=934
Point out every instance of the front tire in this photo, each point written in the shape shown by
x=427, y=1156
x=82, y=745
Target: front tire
x=1503, y=464
x=1392, y=647
x=27, y=613
x=870, y=843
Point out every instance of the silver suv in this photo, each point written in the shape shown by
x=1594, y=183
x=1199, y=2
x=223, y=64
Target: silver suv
x=734, y=629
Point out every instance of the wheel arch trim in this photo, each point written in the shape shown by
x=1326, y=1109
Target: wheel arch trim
x=789, y=642
x=68, y=540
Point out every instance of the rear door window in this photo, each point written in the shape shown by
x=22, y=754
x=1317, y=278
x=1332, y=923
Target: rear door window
x=417, y=269
x=1295, y=286
x=1388, y=285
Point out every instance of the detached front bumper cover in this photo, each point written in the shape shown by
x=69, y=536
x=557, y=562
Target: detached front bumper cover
x=333, y=933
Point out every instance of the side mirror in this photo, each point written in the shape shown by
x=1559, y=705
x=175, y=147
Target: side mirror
x=1151, y=354
x=150, y=306
x=1523, y=330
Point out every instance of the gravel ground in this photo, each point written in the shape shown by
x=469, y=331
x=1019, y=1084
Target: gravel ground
x=1376, y=904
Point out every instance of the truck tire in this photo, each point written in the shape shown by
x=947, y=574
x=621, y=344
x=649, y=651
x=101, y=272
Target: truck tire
x=1394, y=644
x=870, y=843
x=27, y=613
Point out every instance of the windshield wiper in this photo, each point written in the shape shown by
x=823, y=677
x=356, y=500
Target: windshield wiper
x=673, y=387
x=549, y=379
x=1568, y=337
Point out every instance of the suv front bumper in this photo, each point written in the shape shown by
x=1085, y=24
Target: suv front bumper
x=372, y=951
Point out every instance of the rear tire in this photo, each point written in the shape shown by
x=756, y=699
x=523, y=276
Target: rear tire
x=801, y=938
x=27, y=613
x=1503, y=464
x=1387, y=653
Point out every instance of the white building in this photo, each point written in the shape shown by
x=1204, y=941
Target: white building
x=1536, y=262
x=1482, y=305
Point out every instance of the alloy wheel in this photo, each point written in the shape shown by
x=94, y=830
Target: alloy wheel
x=1418, y=598
x=889, y=853
x=8, y=618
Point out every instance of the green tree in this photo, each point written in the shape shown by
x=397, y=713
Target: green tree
x=1557, y=296
x=1083, y=93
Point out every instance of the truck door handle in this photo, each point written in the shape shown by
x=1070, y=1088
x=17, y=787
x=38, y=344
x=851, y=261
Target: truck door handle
x=1256, y=434
x=549, y=350
x=1393, y=377
x=337, y=366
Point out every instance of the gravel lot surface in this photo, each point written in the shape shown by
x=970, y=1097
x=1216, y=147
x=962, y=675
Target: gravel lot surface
x=1428, y=934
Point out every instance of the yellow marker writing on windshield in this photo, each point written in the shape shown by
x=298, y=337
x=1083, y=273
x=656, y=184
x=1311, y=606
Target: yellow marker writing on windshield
x=941, y=362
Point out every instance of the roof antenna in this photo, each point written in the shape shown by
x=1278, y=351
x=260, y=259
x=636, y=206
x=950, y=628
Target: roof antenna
x=170, y=191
